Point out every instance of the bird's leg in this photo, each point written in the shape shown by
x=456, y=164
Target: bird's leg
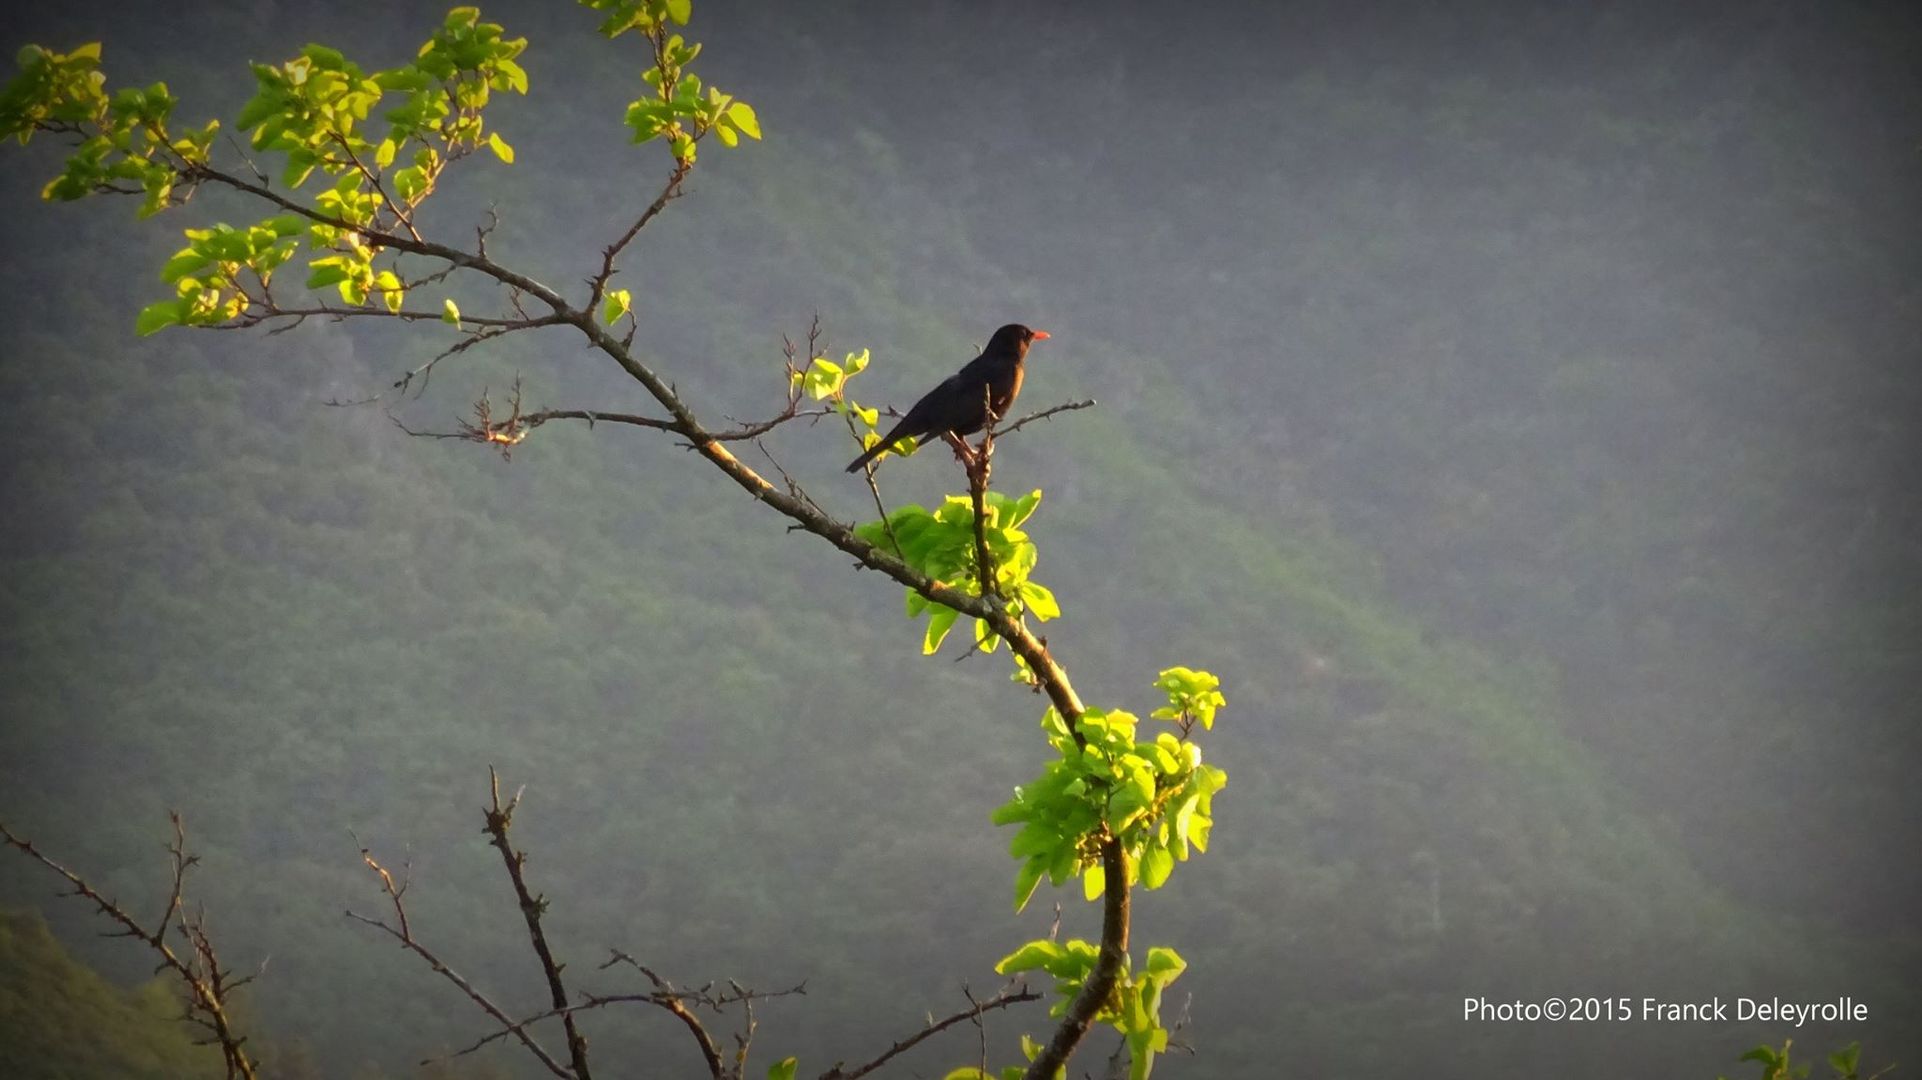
x=990, y=418
x=963, y=453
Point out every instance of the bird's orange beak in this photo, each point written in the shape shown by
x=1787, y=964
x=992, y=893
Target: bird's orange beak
x=1041, y=335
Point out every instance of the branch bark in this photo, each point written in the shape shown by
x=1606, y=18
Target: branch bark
x=1012, y=995
x=500, y=818
x=405, y=936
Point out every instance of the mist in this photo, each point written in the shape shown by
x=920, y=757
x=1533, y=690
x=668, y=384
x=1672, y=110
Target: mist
x=1513, y=404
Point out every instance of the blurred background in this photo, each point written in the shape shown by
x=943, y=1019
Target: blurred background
x=1512, y=403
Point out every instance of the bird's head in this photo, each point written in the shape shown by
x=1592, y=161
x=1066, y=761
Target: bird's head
x=1015, y=338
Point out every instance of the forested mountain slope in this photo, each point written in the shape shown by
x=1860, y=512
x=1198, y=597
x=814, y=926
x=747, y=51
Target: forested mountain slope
x=1518, y=436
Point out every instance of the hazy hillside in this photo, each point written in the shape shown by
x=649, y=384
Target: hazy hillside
x=1512, y=408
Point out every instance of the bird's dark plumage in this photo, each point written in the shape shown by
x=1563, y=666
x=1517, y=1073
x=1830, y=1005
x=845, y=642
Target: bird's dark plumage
x=960, y=404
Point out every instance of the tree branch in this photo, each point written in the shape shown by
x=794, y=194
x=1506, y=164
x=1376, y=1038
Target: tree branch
x=980, y=470
x=1049, y=674
x=405, y=936
x=1045, y=414
x=1012, y=994
x=671, y=191
x=1107, y=969
x=500, y=818
x=207, y=982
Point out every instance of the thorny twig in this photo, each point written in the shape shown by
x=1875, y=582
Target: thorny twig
x=500, y=818
x=209, y=985
x=1012, y=994
x=1045, y=414
x=404, y=935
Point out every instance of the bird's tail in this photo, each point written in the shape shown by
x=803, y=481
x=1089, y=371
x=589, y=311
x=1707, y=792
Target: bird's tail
x=868, y=455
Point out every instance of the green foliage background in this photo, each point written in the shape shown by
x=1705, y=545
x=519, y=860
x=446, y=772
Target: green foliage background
x=1538, y=505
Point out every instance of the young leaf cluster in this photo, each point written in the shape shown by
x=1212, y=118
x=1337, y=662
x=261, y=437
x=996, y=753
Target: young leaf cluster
x=676, y=110
x=1192, y=696
x=125, y=145
x=314, y=112
x=313, y=109
x=941, y=544
x=1133, y=1007
x=1844, y=1064
x=1156, y=797
x=206, y=273
x=823, y=379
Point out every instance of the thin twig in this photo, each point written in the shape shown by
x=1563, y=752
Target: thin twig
x=500, y=818
x=1012, y=994
x=670, y=191
x=404, y=935
x=208, y=984
x=1045, y=414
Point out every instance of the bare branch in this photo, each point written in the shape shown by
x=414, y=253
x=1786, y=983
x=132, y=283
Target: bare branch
x=1045, y=414
x=1012, y=994
x=404, y=935
x=740, y=434
x=669, y=192
x=208, y=983
x=500, y=818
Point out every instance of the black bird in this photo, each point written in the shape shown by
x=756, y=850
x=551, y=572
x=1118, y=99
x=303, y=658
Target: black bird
x=959, y=405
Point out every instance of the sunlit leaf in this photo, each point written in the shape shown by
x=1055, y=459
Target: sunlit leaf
x=156, y=317
x=741, y=115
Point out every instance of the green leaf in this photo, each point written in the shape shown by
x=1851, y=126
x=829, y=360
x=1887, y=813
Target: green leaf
x=783, y=1069
x=616, y=305
x=1094, y=882
x=325, y=272
x=500, y=148
x=1026, y=880
x=741, y=115
x=824, y=378
x=1022, y=510
x=1039, y=600
x=384, y=153
x=156, y=317
x=727, y=136
x=1156, y=864
x=1163, y=964
x=1032, y=956
x=940, y=620
x=300, y=165
x=390, y=289
x=516, y=76
x=450, y=312
x=680, y=10
x=185, y=262
x=264, y=104
x=1035, y=838
x=410, y=182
